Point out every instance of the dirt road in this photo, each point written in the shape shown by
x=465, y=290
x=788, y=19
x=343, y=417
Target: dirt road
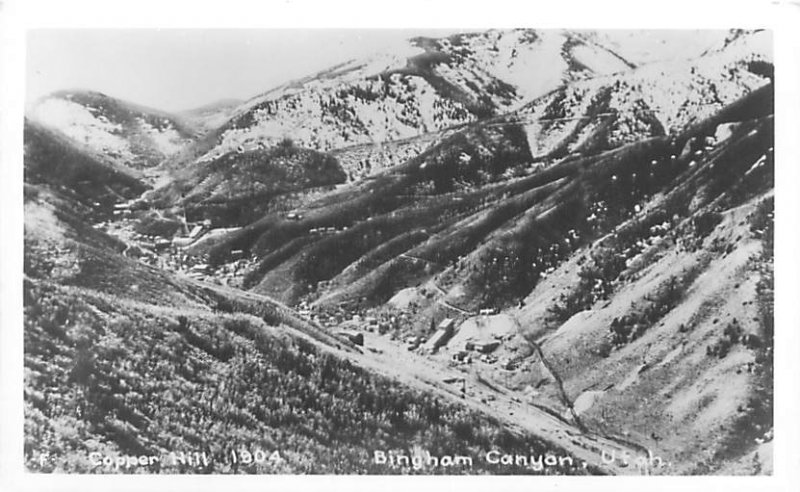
x=392, y=359
x=428, y=374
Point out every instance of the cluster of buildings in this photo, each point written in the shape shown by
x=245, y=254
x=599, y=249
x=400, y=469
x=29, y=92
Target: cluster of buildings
x=170, y=254
x=335, y=316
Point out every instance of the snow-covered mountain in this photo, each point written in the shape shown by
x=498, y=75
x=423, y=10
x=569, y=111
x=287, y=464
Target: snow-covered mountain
x=124, y=133
x=430, y=85
x=574, y=90
x=642, y=47
x=594, y=219
x=658, y=98
x=212, y=115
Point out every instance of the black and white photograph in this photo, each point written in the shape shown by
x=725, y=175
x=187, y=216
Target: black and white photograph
x=508, y=250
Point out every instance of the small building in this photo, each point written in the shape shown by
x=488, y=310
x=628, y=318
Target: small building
x=487, y=311
x=162, y=244
x=489, y=359
x=182, y=242
x=461, y=355
x=508, y=364
x=486, y=347
x=133, y=251
x=444, y=333
x=353, y=336
x=200, y=268
x=195, y=232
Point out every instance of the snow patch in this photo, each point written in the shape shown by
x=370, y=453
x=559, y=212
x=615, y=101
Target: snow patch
x=167, y=141
x=80, y=124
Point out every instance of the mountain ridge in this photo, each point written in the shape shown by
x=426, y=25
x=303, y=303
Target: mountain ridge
x=132, y=135
x=590, y=263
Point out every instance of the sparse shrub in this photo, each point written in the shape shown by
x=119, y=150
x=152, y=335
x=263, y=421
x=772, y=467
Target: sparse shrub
x=83, y=370
x=160, y=390
x=762, y=225
x=596, y=283
x=705, y=222
x=731, y=335
x=605, y=347
x=285, y=147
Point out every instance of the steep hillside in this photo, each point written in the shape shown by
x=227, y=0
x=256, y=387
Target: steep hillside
x=444, y=193
x=522, y=223
x=91, y=178
x=659, y=98
x=643, y=47
x=529, y=62
x=432, y=85
x=124, y=360
x=126, y=134
x=608, y=257
x=571, y=90
x=420, y=196
x=211, y=116
x=240, y=187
